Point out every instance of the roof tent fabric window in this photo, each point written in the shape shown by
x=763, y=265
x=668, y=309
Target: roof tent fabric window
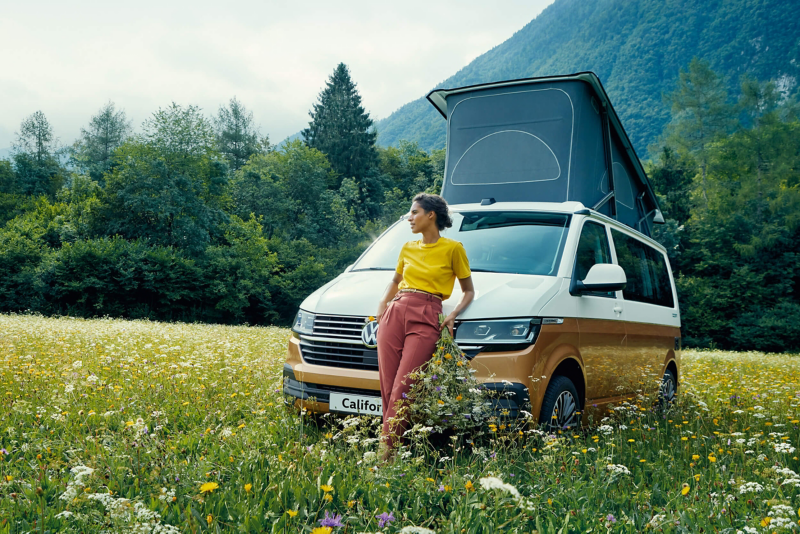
x=506, y=157
x=511, y=137
x=628, y=209
x=622, y=185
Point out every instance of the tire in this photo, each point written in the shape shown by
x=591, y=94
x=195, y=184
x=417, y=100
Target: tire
x=560, y=396
x=668, y=390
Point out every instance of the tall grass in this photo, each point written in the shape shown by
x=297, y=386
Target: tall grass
x=116, y=426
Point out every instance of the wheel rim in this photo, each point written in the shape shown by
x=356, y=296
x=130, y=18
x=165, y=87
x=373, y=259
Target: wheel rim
x=564, y=411
x=668, y=389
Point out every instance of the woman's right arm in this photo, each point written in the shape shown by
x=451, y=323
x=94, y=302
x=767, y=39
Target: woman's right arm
x=391, y=291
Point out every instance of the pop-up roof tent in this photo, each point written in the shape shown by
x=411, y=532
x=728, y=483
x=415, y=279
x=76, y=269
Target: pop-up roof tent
x=544, y=140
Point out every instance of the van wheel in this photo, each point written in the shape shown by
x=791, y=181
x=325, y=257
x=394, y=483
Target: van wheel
x=668, y=391
x=560, y=405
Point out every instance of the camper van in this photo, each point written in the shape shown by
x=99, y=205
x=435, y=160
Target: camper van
x=575, y=304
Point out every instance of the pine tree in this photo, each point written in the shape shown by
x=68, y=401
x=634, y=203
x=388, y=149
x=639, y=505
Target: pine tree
x=94, y=149
x=237, y=134
x=701, y=115
x=35, y=155
x=341, y=129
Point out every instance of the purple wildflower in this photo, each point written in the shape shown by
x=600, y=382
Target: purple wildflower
x=434, y=377
x=331, y=520
x=384, y=519
x=404, y=395
x=611, y=519
x=438, y=388
x=5, y=452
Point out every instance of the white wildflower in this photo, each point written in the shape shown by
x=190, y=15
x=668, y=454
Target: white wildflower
x=617, y=469
x=490, y=483
x=751, y=487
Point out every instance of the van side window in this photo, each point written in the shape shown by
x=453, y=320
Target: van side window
x=646, y=270
x=592, y=249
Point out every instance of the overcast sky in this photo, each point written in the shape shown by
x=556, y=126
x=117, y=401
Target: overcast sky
x=69, y=58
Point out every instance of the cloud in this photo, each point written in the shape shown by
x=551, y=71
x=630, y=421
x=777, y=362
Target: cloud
x=69, y=58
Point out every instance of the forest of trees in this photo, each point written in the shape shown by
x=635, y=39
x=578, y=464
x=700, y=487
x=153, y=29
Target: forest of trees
x=198, y=218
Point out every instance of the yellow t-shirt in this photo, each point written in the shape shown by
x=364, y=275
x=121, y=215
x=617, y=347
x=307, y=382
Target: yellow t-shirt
x=433, y=267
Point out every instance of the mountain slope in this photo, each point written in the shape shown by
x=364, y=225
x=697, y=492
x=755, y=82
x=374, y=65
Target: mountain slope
x=636, y=47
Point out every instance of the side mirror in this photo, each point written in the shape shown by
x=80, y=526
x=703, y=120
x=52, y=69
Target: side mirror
x=601, y=277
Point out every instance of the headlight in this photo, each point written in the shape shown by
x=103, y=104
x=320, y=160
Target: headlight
x=304, y=322
x=501, y=331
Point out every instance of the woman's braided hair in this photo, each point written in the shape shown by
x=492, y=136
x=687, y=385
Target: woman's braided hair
x=438, y=205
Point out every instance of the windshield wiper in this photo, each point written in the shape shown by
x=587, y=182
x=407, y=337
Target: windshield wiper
x=375, y=269
x=481, y=270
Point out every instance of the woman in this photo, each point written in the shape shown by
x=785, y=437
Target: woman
x=408, y=313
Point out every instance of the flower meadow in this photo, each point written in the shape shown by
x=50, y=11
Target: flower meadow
x=136, y=426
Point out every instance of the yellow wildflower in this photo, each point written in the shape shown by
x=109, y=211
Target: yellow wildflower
x=208, y=487
x=469, y=485
x=209, y=519
x=322, y=530
x=248, y=487
x=685, y=488
x=447, y=356
x=326, y=488
x=459, y=398
x=291, y=513
x=328, y=497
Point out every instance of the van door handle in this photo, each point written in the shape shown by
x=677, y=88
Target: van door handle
x=617, y=309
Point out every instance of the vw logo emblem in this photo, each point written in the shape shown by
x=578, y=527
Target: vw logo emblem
x=369, y=334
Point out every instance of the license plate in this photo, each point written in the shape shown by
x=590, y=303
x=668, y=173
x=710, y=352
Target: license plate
x=358, y=404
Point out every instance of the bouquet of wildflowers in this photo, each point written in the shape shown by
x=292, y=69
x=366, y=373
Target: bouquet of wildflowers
x=445, y=393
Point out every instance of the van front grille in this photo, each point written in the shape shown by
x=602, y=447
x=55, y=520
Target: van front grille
x=345, y=327
x=345, y=355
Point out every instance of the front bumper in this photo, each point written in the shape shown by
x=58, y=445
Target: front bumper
x=508, y=399
x=320, y=393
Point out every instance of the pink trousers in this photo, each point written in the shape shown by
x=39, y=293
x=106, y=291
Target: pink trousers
x=407, y=336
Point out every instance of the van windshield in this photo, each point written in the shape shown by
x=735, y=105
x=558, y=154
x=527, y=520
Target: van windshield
x=497, y=241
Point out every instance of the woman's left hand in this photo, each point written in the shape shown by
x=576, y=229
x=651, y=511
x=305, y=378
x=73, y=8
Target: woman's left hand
x=449, y=321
